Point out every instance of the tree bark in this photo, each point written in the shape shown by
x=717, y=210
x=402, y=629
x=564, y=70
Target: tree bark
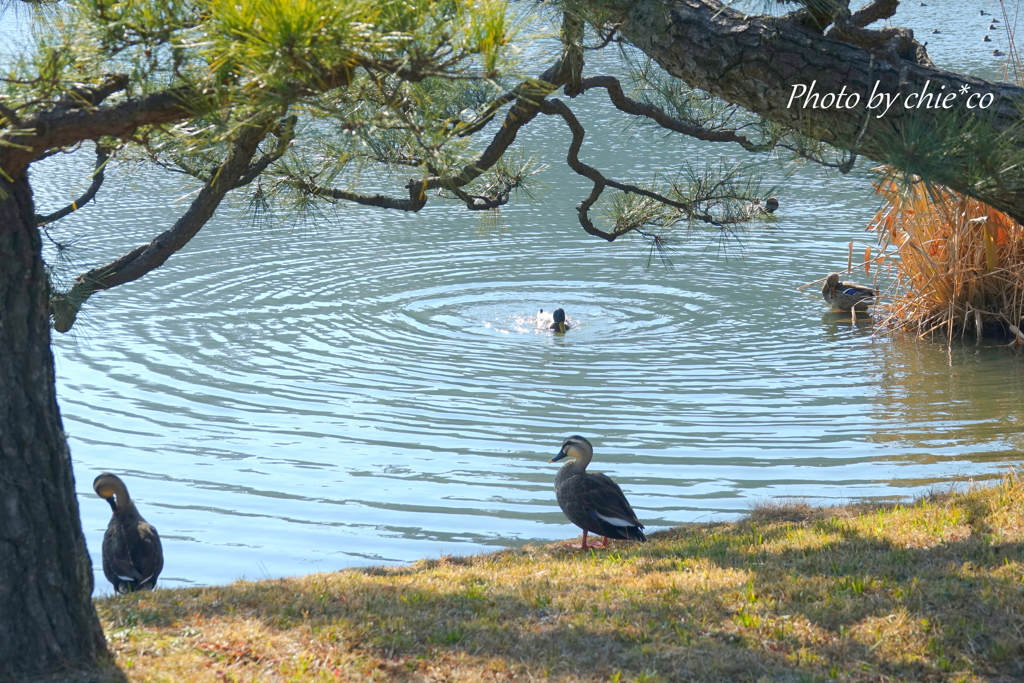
x=47, y=619
x=754, y=62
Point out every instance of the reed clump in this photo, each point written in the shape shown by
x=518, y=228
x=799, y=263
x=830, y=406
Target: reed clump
x=958, y=263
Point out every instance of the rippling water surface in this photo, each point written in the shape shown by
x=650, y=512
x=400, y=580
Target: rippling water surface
x=373, y=388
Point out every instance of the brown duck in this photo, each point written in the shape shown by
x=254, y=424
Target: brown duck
x=845, y=296
x=590, y=500
x=132, y=556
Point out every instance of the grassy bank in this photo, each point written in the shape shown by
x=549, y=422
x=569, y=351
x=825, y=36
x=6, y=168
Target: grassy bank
x=932, y=591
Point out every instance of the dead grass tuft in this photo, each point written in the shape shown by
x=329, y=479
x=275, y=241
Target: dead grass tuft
x=958, y=263
x=927, y=591
x=780, y=510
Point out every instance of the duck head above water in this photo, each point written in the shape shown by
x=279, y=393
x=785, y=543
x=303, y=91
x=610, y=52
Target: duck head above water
x=553, y=320
x=576, y=448
x=559, y=324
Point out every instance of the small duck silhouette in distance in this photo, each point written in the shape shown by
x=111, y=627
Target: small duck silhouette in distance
x=554, y=320
x=846, y=296
x=771, y=204
x=593, y=501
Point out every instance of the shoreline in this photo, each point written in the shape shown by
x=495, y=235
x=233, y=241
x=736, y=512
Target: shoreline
x=930, y=590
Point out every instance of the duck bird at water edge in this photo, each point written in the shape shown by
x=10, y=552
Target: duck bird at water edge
x=132, y=556
x=592, y=501
x=846, y=296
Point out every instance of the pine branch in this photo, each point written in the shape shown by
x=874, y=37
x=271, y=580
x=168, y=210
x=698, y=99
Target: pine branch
x=659, y=116
x=60, y=127
x=416, y=201
x=559, y=108
x=102, y=154
x=529, y=97
x=64, y=306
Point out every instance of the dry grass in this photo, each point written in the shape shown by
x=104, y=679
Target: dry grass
x=783, y=510
x=959, y=263
x=932, y=591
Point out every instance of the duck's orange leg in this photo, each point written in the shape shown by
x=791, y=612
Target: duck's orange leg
x=584, y=546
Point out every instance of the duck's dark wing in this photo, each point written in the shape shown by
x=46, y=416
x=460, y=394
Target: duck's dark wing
x=132, y=555
x=606, y=504
x=150, y=557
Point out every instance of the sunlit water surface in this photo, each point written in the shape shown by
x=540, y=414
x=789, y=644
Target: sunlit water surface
x=373, y=387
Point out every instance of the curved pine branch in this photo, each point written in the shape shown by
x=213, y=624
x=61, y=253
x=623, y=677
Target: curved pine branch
x=64, y=306
x=102, y=154
x=663, y=119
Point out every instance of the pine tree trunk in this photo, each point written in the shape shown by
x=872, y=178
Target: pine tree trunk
x=47, y=619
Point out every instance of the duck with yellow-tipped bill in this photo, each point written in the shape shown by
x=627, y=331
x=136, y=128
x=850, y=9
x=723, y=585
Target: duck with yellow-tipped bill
x=591, y=500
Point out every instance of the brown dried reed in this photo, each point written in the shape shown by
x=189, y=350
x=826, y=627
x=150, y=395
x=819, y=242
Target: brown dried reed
x=958, y=263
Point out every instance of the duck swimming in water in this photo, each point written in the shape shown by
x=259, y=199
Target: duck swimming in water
x=555, y=320
x=845, y=296
x=590, y=500
x=132, y=556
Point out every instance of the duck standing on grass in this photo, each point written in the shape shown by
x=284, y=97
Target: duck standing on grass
x=592, y=501
x=132, y=556
x=555, y=320
x=845, y=296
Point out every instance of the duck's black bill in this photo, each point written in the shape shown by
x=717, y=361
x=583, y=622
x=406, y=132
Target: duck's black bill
x=561, y=454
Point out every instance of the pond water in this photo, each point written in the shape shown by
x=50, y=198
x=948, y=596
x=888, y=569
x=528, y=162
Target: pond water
x=372, y=388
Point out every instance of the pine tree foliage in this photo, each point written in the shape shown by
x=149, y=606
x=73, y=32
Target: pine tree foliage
x=393, y=104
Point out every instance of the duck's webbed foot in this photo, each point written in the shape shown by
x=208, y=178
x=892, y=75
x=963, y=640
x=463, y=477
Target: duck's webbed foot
x=602, y=544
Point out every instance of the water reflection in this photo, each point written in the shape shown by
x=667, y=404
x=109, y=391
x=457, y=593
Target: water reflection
x=838, y=322
x=956, y=404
